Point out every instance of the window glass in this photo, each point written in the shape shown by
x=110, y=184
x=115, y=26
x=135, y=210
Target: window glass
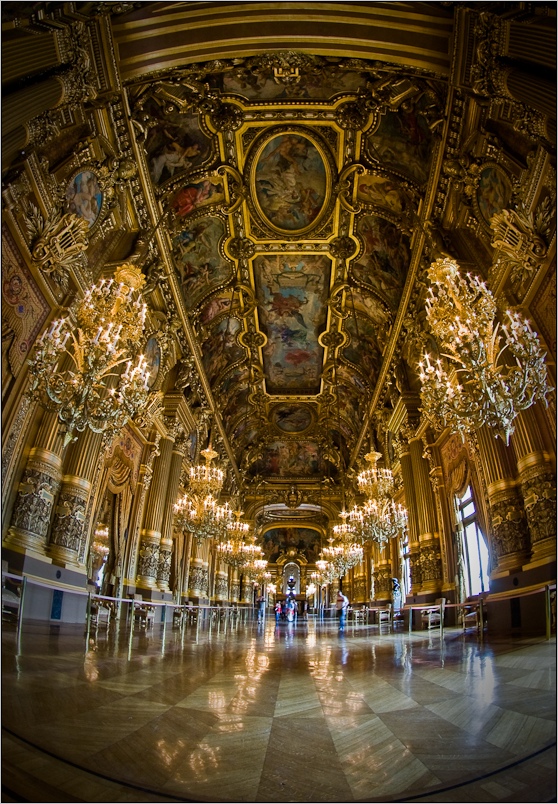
x=473, y=547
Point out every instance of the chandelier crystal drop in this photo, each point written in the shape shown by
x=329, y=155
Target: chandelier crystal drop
x=486, y=372
x=88, y=367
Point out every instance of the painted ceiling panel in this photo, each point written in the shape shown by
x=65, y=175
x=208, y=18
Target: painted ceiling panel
x=291, y=293
x=288, y=185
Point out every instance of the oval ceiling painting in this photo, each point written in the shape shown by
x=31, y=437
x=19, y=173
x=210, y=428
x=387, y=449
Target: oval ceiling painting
x=291, y=181
x=292, y=418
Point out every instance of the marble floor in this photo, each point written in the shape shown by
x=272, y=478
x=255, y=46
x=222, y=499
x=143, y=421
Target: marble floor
x=259, y=713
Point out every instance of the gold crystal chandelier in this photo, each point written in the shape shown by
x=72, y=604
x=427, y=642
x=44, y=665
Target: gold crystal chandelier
x=238, y=549
x=486, y=372
x=342, y=554
x=380, y=518
x=99, y=545
x=198, y=510
x=88, y=366
x=256, y=571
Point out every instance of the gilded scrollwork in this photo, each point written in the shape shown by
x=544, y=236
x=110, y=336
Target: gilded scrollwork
x=68, y=522
x=539, y=496
x=148, y=560
x=509, y=529
x=57, y=243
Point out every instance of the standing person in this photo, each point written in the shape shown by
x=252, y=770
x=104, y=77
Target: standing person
x=261, y=608
x=278, y=611
x=342, y=604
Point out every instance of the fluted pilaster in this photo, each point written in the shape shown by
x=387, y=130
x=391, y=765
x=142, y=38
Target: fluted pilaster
x=429, y=539
x=538, y=484
x=165, y=546
x=510, y=545
x=69, y=516
x=150, y=538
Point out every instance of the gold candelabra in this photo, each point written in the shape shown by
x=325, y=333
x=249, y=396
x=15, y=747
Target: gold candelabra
x=88, y=366
x=486, y=372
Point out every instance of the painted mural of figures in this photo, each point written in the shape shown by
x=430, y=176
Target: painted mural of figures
x=493, y=192
x=190, y=198
x=381, y=191
x=173, y=157
x=84, y=196
x=385, y=261
x=403, y=142
x=290, y=181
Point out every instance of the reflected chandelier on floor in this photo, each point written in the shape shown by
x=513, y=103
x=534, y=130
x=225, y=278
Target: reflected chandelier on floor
x=486, y=372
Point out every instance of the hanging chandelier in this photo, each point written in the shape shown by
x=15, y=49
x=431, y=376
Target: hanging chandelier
x=198, y=510
x=324, y=575
x=77, y=369
x=236, y=551
x=342, y=555
x=99, y=545
x=380, y=518
x=375, y=481
x=489, y=371
x=256, y=571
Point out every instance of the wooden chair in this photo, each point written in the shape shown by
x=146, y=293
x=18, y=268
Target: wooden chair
x=144, y=614
x=101, y=613
x=384, y=614
x=432, y=616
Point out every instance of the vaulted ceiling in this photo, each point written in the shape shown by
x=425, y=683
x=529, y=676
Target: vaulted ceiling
x=292, y=191
x=297, y=169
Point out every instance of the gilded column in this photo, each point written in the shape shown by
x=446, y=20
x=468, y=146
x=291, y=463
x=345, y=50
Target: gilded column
x=510, y=546
x=173, y=484
x=538, y=484
x=429, y=537
x=70, y=511
x=359, y=582
x=199, y=572
x=404, y=450
x=37, y=490
x=235, y=586
x=150, y=536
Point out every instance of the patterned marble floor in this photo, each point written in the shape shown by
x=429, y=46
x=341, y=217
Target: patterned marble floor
x=259, y=713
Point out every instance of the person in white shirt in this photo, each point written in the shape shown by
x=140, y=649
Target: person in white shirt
x=342, y=604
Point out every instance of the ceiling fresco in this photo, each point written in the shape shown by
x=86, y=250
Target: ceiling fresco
x=289, y=199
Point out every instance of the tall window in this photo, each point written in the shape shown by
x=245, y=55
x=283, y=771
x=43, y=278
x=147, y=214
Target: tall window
x=406, y=557
x=474, y=549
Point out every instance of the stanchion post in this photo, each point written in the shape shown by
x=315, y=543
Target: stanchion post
x=410, y=619
x=131, y=630
x=481, y=620
x=20, y=613
x=88, y=621
x=548, y=612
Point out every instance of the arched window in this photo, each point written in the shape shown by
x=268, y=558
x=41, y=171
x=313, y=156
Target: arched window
x=473, y=546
